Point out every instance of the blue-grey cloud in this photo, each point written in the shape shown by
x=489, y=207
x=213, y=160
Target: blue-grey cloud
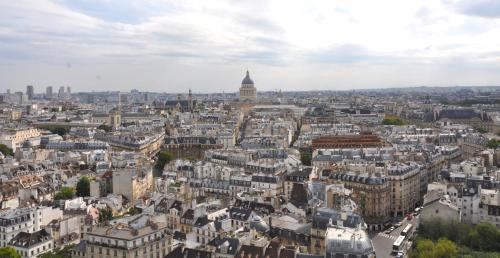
x=341, y=54
x=130, y=12
x=480, y=8
x=262, y=24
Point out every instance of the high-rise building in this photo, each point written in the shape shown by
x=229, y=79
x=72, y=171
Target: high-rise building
x=49, y=92
x=68, y=90
x=61, y=92
x=20, y=97
x=30, y=91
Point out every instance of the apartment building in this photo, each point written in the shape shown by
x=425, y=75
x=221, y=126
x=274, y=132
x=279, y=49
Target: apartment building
x=138, y=237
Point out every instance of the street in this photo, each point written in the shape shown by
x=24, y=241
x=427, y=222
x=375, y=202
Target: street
x=383, y=242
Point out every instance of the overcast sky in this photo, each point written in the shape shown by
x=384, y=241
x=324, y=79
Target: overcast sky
x=207, y=45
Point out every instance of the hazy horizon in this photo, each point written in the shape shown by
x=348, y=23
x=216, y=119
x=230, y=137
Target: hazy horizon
x=170, y=46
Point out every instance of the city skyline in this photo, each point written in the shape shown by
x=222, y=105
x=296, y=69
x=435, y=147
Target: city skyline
x=170, y=46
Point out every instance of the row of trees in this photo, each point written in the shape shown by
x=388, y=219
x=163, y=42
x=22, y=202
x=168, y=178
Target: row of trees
x=393, y=121
x=482, y=237
x=65, y=252
x=443, y=248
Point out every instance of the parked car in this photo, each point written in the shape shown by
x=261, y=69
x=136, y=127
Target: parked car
x=397, y=225
x=389, y=230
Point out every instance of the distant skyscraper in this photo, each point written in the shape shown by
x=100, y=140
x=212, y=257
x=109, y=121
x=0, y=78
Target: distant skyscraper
x=61, y=92
x=30, y=91
x=48, y=92
x=19, y=97
x=68, y=90
x=123, y=98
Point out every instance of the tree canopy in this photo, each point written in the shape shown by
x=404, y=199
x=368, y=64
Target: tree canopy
x=58, y=253
x=57, y=129
x=6, y=150
x=105, y=214
x=8, y=252
x=164, y=157
x=493, y=143
x=480, y=129
x=393, y=121
x=83, y=187
x=305, y=158
x=426, y=248
x=105, y=127
x=482, y=237
x=65, y=193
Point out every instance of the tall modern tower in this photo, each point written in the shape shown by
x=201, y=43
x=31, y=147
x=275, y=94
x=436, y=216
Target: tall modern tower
x=61, y=92
x=248, y=92
x=30, y=91
x=49, y=92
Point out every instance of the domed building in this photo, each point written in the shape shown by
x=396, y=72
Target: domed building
x=248, y=92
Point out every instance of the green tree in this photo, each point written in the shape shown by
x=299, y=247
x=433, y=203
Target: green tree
x=8, y=252
x=482, y=237
x=305, y=158
x=480, y=129
x=105, y=214
x=83, y=187
x=393, y=121
x=425, y=249
x=493, y=143
x=56, y=129
x=6, y=150
x=473, y=240
x=164, y=157
x=489, y=237
x=64, y=252
x=191, y=158
x=65, y=193
x=105, y=127
x=445, y=249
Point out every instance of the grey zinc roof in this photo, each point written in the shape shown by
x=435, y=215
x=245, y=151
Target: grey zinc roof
x=247, y=79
